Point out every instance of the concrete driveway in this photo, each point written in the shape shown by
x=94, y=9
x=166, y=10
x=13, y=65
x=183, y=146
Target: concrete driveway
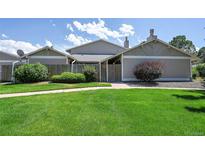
x=195, y=84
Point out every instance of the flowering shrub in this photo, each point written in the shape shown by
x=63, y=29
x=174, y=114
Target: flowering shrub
x=148, y=71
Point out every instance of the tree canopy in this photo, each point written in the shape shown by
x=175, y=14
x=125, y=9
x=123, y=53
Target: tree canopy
x=201, y=54
x=182, y=42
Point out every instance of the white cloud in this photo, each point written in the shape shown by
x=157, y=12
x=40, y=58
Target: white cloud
x=52, y=23
x=69, y=26
x=76, y=40
x=127, y=30
x=48, y=43
x=11, y=46
x=4, y=36
x=100, y=30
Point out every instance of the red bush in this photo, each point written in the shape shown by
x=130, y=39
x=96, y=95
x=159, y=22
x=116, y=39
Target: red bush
x=148, y=71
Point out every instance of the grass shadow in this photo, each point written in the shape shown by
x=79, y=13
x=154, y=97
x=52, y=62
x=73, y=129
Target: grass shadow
x=189, y=97
x=196, y=110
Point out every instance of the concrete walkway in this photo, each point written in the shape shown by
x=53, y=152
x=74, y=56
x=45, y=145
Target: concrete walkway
x=114, y=86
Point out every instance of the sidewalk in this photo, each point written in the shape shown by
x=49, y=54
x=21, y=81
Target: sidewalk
x=114, y=86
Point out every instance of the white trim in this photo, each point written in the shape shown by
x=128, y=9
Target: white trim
x=7, y=61
x=190, y=69
x=47, y=57
x=122, y=67
x=107, y=70
x=156, y=57
x=160, y=79
x=100, y=71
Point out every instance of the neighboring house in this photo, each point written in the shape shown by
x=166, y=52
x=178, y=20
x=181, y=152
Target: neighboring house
x=6, y=62
x=115, y=63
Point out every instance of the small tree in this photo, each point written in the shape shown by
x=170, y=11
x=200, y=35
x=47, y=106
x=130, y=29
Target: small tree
x=201, y=54
x=90, y=73
x=148, y=71
x=182, y=42
x=201, y=69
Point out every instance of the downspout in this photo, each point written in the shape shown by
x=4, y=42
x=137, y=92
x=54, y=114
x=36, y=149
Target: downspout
x=72, y=65
x=12, y=71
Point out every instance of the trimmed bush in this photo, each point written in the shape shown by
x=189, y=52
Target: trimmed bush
x=68, y=77
x=195, y=73
x=90, y=73
x=28, y=73
x=148, y=71
x=201, y=69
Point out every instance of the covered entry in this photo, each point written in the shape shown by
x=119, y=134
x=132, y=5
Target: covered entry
x=114, y=72
x=111, y=70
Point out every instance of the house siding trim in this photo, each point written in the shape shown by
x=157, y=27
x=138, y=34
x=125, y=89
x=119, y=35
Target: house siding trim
x=48, y=57
x=155, y=57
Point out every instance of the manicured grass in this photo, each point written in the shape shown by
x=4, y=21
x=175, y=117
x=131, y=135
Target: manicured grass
x=105, y=112
x=18, y=88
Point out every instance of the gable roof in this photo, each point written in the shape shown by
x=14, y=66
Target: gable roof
x=100, y=40
x=10, y=54
x=147, y=42
x=52, y=49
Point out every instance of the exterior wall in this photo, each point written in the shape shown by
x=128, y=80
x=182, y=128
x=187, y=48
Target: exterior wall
x=5, y=72
x=99, y=47
x=154, y=49
x=6, y=66
x=173, y=69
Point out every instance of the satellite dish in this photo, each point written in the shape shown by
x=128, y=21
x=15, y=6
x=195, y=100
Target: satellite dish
x=20, y=52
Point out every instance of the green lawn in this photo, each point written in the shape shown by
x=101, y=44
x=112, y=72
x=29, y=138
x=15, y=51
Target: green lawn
x=18, y=88
x=105, y=112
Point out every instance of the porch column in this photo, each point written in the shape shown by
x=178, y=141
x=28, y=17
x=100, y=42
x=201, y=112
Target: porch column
x=107, y=70
x=66, y=60
x=100, y=71
x=72, y=65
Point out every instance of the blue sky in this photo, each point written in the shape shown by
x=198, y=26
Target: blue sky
x=30, y=34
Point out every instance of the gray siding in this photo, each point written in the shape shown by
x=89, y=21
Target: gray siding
x=155, y=49
x=4, y=56
x=99, y=47
x=46, y=52
x=172, y=68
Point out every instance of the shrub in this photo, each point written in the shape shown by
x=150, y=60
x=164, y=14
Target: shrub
x=201, y=69
x=68, y=77
x=148, y=71
x=195, y=73
x=90, y=73
x=28, y=73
